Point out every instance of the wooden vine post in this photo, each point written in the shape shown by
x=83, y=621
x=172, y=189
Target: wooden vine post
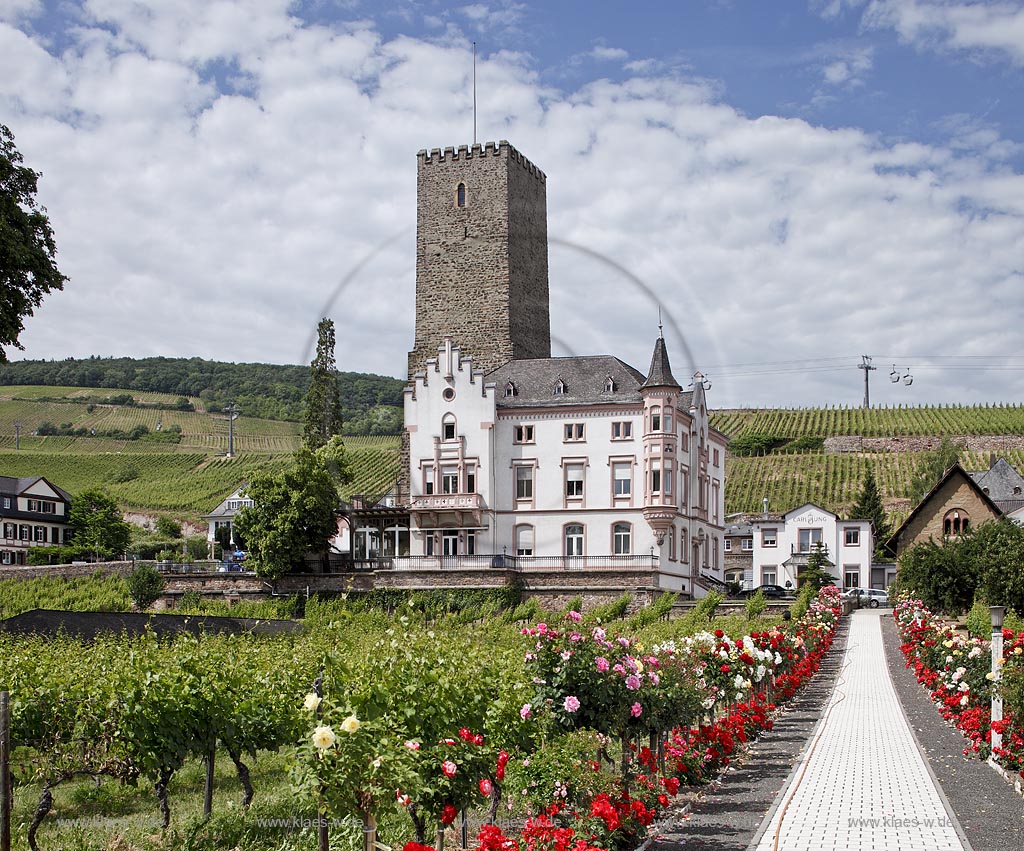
x=6, y=790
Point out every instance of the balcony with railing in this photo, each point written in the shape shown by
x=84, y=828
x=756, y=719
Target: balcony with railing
x=502, y=561
x=448, y=502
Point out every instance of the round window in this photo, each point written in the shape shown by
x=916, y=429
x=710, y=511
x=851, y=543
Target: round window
x=449, y=393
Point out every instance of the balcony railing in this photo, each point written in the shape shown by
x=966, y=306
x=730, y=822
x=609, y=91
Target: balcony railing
x=523, y=564
x=448, y=502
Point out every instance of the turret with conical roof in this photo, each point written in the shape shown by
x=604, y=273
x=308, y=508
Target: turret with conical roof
x=660, y=441
x=660, y=373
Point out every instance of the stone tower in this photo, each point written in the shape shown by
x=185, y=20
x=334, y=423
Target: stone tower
x=481, y=256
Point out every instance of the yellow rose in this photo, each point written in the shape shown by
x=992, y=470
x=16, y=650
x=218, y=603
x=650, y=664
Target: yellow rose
x=350, y=724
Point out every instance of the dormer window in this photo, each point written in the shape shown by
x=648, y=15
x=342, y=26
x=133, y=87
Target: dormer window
x=609, y=385
x=510, y=390
x=559, y=389
x=460, y=195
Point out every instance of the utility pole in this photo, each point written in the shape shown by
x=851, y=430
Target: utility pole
x=232, y=412
x=865, y=364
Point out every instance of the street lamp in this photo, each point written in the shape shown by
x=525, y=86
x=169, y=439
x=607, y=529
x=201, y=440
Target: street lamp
x=997, y=613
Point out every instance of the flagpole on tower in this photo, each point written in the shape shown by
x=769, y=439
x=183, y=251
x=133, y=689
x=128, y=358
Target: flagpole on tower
x=474, y=92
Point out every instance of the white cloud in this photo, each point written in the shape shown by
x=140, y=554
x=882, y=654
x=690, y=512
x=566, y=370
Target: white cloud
x=609, y=54
x=849, y=67
x=14, y=10
x=195, y=221
x=993, y=29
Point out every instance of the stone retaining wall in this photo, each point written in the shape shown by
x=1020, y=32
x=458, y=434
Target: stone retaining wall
x=981, y=443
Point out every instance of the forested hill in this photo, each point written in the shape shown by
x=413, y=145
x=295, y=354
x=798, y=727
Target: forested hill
x=269, y=391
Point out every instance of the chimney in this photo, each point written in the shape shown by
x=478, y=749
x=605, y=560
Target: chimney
x=764, y=505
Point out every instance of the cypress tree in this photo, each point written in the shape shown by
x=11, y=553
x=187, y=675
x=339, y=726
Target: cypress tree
x=869, y=507
x=323, y=401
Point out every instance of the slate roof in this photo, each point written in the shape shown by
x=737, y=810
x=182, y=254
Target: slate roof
x=660, y=373
x=583, y=377
x=1001, y=482
x=739, y=528
x=15, y=486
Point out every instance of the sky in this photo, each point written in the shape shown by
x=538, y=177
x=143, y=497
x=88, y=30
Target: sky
x=793, y=185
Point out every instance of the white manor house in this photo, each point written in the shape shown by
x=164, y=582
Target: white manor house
x=520, y=460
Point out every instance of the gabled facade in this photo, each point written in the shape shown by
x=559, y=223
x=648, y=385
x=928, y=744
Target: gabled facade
x=223, y=516
x=33, y=513
x=565, y=463
x=782, y=545
x=956, y=503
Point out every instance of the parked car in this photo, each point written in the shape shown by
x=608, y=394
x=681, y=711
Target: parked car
x=871, y=597
x=772, y=592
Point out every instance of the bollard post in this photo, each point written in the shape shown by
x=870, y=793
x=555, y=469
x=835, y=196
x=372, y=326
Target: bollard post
x=997, y=613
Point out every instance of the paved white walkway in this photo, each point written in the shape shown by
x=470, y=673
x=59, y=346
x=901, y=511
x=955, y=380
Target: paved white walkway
x=866, y=785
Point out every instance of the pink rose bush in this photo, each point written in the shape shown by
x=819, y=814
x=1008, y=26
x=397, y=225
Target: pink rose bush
x=458, y=731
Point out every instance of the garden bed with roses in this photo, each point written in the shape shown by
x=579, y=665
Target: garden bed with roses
x=957, y=671
x=584, y=749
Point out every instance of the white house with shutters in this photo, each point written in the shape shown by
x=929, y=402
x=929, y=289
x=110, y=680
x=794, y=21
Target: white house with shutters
x=565, y=463
x=33, y=513
x=782, y=544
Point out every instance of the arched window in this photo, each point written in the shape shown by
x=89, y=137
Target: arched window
x=622, y=539
x=655, y=419
x=460, y=195
x=574, y=539
x=956, y=522
x=684, y=553
x=448, y=427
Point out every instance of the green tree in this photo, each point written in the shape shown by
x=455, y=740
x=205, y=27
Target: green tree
x=168, y=528
x=815, y=573
x=931, y=467
x=996, y=549
x=942, y=575
x=28, y=270
x=323, y=401
x=294, y=511
x=145, y=585
x=97, y=524
x=869, y=507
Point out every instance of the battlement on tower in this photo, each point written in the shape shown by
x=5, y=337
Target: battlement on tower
x=487, y=149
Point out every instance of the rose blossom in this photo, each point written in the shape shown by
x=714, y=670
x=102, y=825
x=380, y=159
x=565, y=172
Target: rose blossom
x=323, y=737
x=525, y=712
x=350, y=724
x=411, y=745
x=486, y=787
x=572, y=703
x=449, y=768
x=602, y=664
x=636, y=710
x=312, y=701
x=632, y=682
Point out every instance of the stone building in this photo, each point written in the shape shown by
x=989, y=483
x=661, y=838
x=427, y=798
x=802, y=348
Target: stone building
x=519, y=460
x=960, y=500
